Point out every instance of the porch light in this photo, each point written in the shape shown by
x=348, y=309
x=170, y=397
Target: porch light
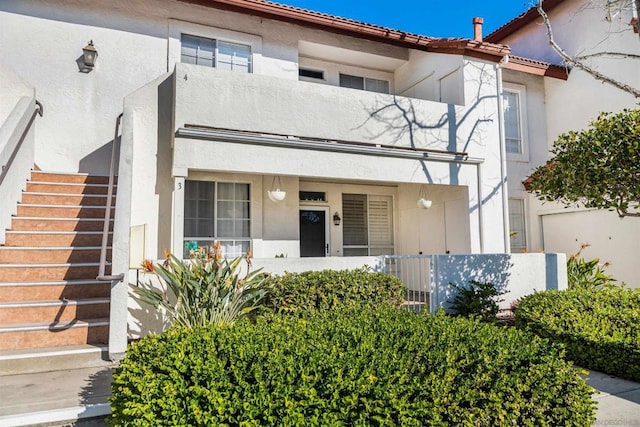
x=424, y=202
x=90, y=54
x=336, y=219
x=275, y=194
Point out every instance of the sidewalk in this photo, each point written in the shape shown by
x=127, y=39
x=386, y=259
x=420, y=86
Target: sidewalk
x=58, y=398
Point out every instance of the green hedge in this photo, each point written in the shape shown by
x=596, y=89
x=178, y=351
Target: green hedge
x=600, y=328
x=328, y=289
x=365, y=367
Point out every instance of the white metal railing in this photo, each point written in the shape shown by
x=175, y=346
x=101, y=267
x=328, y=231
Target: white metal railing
x=415, y=273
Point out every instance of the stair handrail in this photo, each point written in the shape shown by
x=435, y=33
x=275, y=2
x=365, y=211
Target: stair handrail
x=107, y=214
x=39, y=110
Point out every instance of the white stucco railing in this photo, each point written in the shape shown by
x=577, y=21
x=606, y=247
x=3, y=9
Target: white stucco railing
x=16, y=156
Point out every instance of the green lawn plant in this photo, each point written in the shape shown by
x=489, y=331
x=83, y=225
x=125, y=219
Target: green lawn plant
x=205, y=290
x=599, y=327
x=349, y=367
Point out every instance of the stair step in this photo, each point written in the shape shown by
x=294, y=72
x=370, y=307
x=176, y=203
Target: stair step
x=54, y=310
x=61, y=211
x=33, y=255
x=46, y=272
x=47, y=359
x=48, y=334
x=67, y=188
x=56, y=238
x=51, y=290
x=58, y=224
x=57, y=199
x=71, y=178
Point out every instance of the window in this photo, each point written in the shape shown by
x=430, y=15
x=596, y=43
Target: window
x=367, y=225
x=217, y=211
x=311, y=74
x=517, y=225
x=512, y=122
x=364, y=83
x=215, y=53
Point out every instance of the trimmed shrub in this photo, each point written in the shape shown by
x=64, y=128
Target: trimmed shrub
x=328, y=289
x=478, y=299
x=383, y=367
x=600, y=327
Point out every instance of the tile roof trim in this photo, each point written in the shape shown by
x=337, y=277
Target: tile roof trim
x=481, y=50
x=538, y=68
x=520, y=21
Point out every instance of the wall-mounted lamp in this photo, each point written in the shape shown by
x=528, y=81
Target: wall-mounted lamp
x=336, y=219
x=275, y=193
x=89, y=54
x=424, y=202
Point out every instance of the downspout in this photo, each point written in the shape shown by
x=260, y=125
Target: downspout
x=503, y=156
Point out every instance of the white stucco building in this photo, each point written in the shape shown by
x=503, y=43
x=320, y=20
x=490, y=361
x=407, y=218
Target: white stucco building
x=549, y=107
x=213, y=104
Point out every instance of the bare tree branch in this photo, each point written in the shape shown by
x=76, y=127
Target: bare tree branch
x=617, y=55
x=570, y=60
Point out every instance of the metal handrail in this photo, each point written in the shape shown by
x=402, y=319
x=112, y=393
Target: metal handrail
x=107, y=214
x=39, y=110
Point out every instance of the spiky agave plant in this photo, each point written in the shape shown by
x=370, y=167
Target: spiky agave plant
x=205, y=290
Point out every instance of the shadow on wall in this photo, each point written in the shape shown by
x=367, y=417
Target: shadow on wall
x=514, y=275
x=462, y=269
x=99, y=161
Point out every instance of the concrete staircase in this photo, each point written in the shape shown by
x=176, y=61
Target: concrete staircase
x=49, y=297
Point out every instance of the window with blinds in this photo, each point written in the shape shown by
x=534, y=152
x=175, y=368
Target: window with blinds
x=367, y=225
x=217, y=211
x=215, y=53
x=364, y=83
x=517, y=225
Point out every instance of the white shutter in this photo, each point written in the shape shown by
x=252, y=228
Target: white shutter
x=380, y=225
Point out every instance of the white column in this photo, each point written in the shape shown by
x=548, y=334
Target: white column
x=177, y=243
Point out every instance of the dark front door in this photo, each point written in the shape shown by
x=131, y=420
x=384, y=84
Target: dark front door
x=313, y=233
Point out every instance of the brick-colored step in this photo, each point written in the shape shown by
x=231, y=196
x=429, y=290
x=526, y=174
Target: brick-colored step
x=46, y=334
x=49, y=255
x=45, y=272
x=69, y=289
x=58, y=224
x=55, y=238
x=59, y=211
x=70, y=178
x=66, y=188
x=65, y=199
x=62, y=310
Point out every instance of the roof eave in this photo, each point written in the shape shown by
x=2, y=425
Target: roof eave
x=517, y=23
x=482, y=50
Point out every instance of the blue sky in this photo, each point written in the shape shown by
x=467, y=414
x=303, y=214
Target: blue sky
x=447, y=18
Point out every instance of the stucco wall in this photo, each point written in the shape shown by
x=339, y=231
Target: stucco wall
x=514, y=275
x=136, y=42
x=581, y=29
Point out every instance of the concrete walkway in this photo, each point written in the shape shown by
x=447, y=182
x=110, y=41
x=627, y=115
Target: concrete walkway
x=58, y=398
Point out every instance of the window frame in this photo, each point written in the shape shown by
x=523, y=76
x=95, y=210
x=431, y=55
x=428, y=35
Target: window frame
x=369, y=246
x=216, y=237
x=523, y=204
x=364, y=83
x=177, y=28
x=521, y=92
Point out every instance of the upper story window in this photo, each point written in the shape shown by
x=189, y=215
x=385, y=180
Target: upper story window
x=514, y=103
x=310, y=73
x=215, y=53
x=512, y=121
x=364, y=83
